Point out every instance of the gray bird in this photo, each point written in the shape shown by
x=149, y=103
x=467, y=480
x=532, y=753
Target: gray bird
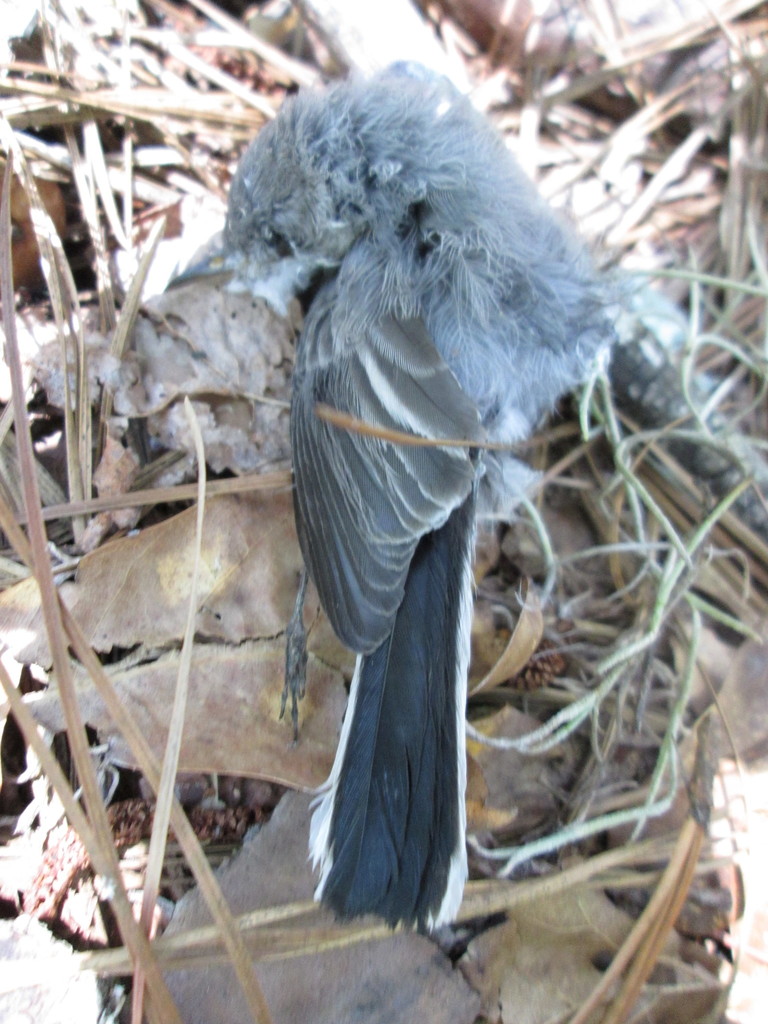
x=446, y=301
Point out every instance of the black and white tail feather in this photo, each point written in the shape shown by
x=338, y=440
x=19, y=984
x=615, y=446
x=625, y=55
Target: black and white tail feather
x=450, y=303
x=389, y=829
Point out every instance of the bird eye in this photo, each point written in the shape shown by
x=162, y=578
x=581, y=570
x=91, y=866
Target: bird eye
x=276, y=241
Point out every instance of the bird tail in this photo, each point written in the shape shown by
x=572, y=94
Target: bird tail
x=388, y=832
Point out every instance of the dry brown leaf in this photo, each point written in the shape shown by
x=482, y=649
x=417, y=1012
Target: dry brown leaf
x=207, y=340
x=403, y=977
x=487, y=550
x=714, y=658
x=522, y=784
x=114, y=474
x=232, y=355
x=101, y=365
x=545, y=960
x=742, y=701
x=25, y=252
x=232, y=725
x=677, y=993
x=135, y=590
x=525, y=639
x=488, y=638
x=480, y=816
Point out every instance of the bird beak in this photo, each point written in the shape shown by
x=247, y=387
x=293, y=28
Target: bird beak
x=275, y=282
x=214, y=268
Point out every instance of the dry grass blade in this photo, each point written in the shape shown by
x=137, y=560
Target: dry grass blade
x=213, y=113
x=345, y=421
x=66, y=310
x=644, y=943
x=278, y=480
x=170, y=43
x=128, y=313
x=672, y=170
x=10, y=475
x=675, y=888
x=97, y=165
x=86, y=176
x=102, y=852
x=297, y=71
x=184, y=832
x=165, y=792
x=268, y=940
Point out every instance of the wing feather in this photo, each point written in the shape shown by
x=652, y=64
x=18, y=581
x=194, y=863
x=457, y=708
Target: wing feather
x=362, y=503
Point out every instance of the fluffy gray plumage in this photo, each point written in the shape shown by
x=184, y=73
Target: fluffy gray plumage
x=449, y=302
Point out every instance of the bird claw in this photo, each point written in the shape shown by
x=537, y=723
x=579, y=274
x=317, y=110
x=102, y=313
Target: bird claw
x=295, y=658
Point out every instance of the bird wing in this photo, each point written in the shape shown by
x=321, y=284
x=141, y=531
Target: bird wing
x=362, y=502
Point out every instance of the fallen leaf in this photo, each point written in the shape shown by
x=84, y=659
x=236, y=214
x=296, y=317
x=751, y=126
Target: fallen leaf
x=742, y=702
x=489, y=638
x=135, y=590
x=232, y=725
x=487, y=550
x=232, y=355
x=523, y=785
x=403, y=977
x=114, y=474
x=525, y=639
x=228, y=352
x=25, y=252
x=35, y=332
x=540, y=965
x=714, y=658
x=480, y=816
